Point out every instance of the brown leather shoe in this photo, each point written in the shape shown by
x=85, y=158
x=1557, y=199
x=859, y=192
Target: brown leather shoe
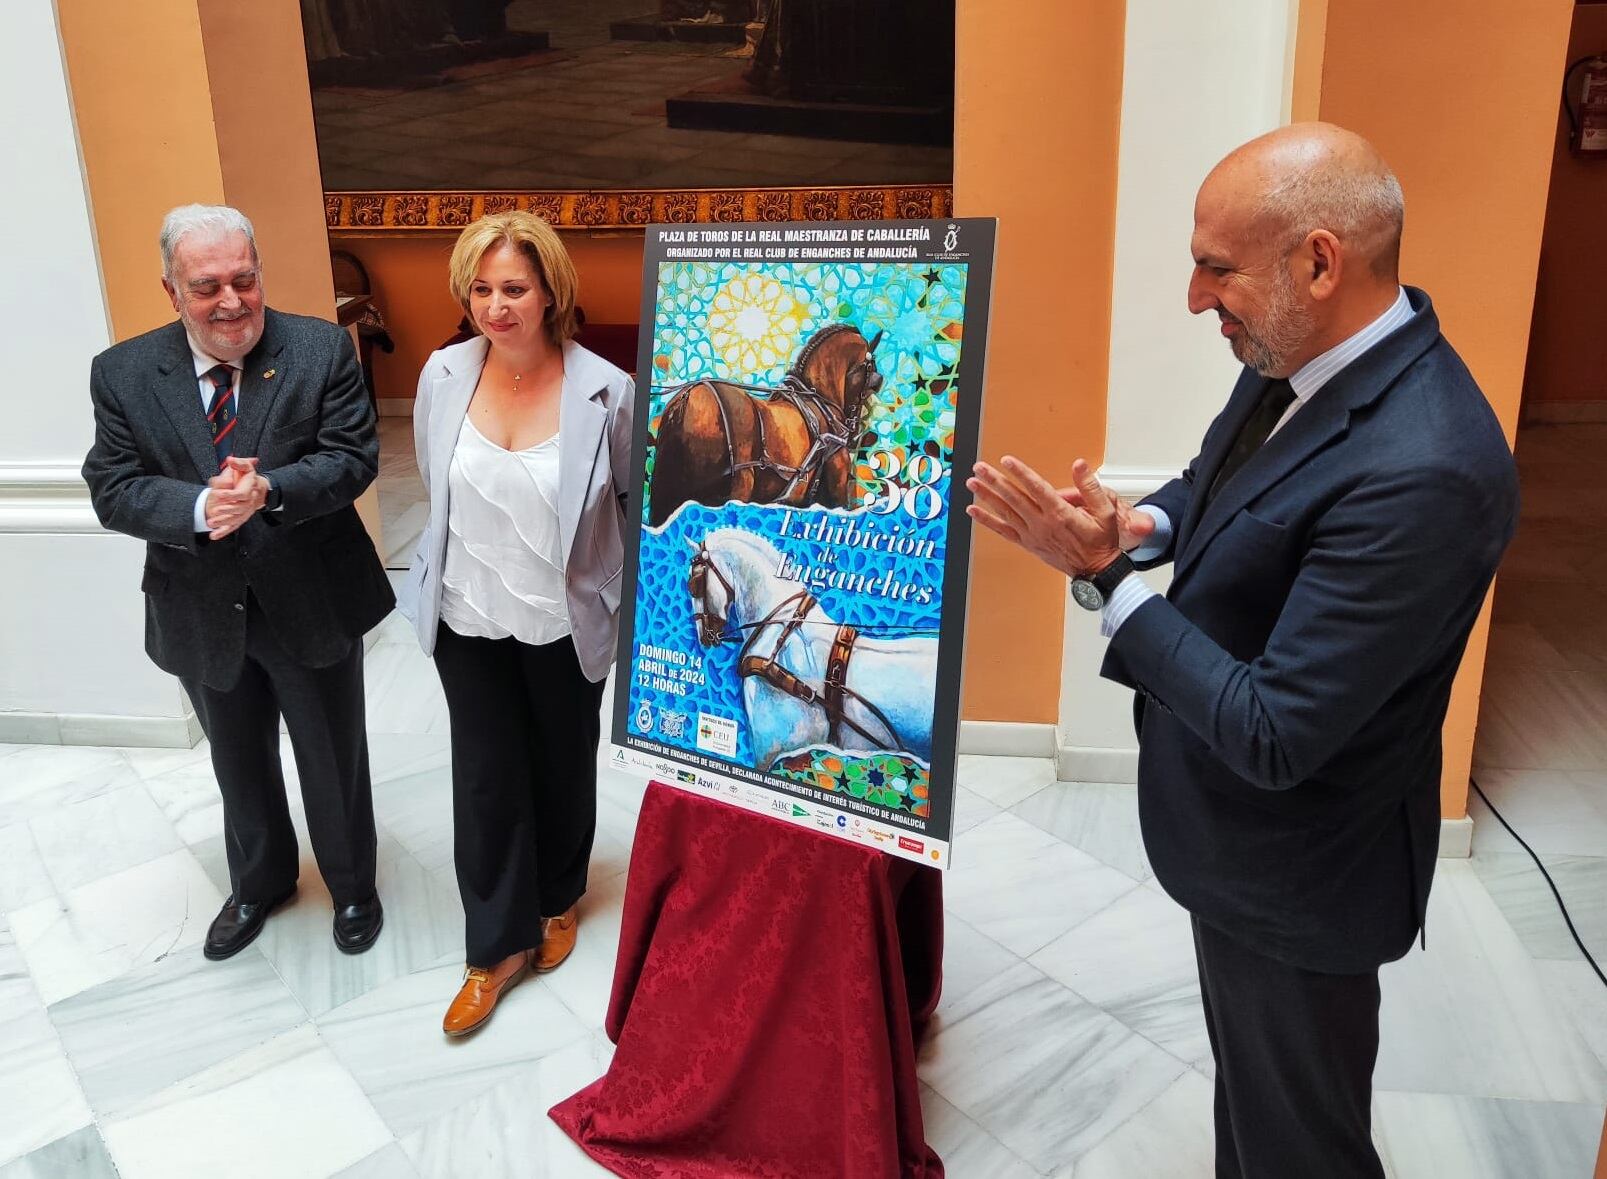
x=480, y=991
x=557, y=940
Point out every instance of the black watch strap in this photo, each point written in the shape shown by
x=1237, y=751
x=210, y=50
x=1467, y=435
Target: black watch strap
x=1112, y=575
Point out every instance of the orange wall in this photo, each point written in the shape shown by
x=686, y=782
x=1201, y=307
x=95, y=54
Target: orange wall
x=1049, y=175
x=262, y=114
x=1460, y=96
x=155, y=134
x=145, y=130
x=1568, y=347
x=408, y=274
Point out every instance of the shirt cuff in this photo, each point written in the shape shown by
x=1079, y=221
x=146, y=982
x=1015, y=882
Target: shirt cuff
x=1159, y=540
x=200, y=511
x=1132, y=593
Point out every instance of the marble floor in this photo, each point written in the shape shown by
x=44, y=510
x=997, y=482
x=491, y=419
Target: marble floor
x=1069, y=1042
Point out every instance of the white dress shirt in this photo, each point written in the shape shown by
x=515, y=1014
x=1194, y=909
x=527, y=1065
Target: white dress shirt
x=1133, y=592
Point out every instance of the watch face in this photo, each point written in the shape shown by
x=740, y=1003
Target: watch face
x=1086, y=596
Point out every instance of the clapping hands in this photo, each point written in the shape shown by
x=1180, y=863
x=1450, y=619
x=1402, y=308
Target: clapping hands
x=237, y=493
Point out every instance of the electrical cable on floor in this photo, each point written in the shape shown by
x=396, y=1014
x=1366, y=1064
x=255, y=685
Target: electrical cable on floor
x=1578, y=941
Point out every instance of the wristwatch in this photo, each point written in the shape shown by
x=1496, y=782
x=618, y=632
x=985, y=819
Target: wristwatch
x=275, y=498
x=1092, y=592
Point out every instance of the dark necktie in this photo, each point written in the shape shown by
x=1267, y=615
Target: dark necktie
x=1257, y=429
x=220, y=414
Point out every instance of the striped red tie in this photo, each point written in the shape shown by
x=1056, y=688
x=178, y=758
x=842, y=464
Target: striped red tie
x=220, y=414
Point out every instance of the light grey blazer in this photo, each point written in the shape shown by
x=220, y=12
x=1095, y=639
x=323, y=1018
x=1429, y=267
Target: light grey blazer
x=595, y=410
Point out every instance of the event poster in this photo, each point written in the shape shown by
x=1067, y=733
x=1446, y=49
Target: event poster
x=794, y=591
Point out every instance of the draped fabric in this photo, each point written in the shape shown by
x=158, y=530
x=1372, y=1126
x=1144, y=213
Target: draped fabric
x=769, y=991
x=503, y=574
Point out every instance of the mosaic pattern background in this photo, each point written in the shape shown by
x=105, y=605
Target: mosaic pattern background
x=745, y=321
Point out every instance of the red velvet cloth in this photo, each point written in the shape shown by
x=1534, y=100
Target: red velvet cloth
x=770, y=987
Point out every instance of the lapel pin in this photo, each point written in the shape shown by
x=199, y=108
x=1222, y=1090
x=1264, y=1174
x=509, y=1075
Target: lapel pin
x=268, y=376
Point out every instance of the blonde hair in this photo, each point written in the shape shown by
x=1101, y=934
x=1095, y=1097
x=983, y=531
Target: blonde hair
x=539, y=243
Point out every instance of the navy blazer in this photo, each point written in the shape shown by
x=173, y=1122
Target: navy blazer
x=1294, y=679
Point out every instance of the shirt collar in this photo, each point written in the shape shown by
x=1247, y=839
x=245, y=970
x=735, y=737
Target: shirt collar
x=204, y=363
x=1316, y=373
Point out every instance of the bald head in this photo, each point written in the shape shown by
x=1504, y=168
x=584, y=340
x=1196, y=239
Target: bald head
x=1296, y=244
x=1307, y=177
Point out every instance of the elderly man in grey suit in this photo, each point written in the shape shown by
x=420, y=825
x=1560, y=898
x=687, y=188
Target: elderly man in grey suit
x=233, y=442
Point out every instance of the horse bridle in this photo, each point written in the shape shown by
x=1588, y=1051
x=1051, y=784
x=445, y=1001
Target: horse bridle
x=830, y=429
x=834, y=691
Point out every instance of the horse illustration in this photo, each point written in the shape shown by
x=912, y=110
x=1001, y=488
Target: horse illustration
x=807, y=680
x=792, y=444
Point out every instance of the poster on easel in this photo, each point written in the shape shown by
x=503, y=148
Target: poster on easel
x=808, y=404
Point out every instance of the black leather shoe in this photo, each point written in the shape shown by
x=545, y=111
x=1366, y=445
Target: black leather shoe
x=237, y=924
x=356, y=926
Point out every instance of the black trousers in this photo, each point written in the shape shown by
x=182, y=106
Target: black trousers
x=1294, y=1052
x=323, y=712
x=525, y=725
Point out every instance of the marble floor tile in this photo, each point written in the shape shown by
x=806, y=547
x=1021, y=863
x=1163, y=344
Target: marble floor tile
x=402, y=692
x=1172, y=1136
x=1526, y=901
x=970, y=808
x=389, y=1162
x=120, y=922
x=40, y=1100
x=1023, y=888
x=1424, y=1135
x=1135, y=961
x=39, y=779
x=1046, y=1073
x=210, y=1123
x=1557, y=812
x=1517, y=1046
x=423, y=923
x=1574, y=989
x=506, y=1128
x=79, y=1155
x=145, y=1030
x=391, y=1041
x=23, y=879
x=87, y=840
x=1100, y=818
x=1005, y=781
x=586, y=979
x=965, y=1147
x=415, y=808
x=970, y=960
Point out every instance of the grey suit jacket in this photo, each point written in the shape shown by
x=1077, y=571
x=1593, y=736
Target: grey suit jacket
x=311, y=567
x=595, y=412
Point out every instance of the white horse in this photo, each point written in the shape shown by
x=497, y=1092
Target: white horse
x=890, y=682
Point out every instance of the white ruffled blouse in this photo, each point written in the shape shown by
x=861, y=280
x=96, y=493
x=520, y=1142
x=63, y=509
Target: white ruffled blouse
x=504, y=569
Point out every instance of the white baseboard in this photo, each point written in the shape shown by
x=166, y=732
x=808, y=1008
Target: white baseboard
x=395, y=407
x=1560, y=412
x=54, y=728
x=1007, y=739
x=1075, y=763
x=1456, y=838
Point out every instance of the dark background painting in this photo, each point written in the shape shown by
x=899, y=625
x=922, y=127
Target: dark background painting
x=537, y=95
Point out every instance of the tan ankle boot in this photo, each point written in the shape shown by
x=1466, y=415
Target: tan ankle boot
x=557, y=940
x=480, y=991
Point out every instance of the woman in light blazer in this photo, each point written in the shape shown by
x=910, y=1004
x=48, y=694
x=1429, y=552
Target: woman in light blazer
x=523, y=440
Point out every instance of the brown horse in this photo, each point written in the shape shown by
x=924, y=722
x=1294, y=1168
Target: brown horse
x=720, y=441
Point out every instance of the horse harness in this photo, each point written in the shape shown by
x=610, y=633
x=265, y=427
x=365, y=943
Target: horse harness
x=829, y=428
x=834, y=692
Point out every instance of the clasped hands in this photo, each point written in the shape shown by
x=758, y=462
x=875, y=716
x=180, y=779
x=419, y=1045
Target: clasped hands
x=1077, y=530
x=237, y=493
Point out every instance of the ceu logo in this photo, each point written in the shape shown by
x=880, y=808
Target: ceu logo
x=952, y=237
x=644, y=718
